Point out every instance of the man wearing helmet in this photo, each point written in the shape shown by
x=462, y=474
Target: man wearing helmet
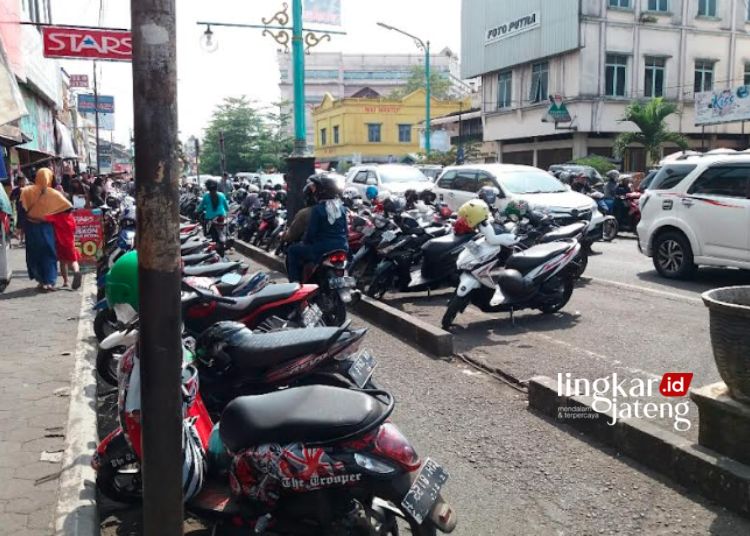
x=326, y=229
x=611, y=185
x=297, y=228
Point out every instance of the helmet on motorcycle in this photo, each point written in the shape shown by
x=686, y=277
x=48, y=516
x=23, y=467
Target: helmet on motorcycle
x=194, y=457
x=393, y=205
x=214, y=346
x=240, y=195
x=428, y=197
x=371, y=193
x=252, y=189
x=411, y=196
x=351, y=193
x=488, y=194
x=267, y=186
x=121, y=285
x=326, y=187
x=613, y=175
x=212, y=185
x=474, y=212
x=564, y=177
x=278, y=187
x=281, y=196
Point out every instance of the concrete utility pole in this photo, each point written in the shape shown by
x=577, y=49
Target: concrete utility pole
x=157, y=184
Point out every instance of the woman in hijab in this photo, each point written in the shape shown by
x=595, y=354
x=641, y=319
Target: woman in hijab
x=41, y=201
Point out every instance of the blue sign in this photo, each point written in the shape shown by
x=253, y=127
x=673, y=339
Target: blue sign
x=86, y=103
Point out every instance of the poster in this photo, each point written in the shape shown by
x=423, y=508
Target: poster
x=106, y=105
x=323, y=12
x=722, y=106
x=89, y=235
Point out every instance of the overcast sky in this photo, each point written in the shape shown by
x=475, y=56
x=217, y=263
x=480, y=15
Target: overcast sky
x=245, y=63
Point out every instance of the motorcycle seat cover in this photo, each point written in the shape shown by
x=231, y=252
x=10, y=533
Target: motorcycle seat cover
x=314, y=414
x=568, y=231
x=193, y=245
x=215, y=269
x=245, y=305
x=437, y=246
x=196, y=258
x=533, y=257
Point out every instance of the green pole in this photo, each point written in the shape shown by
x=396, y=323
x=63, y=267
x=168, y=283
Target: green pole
x=428, y=100
x=298, y=60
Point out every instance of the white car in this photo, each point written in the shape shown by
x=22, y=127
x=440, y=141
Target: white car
x=704, y=219
x=392, y=178
x=458, y=184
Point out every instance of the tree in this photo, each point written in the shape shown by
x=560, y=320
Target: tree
x=440, y=85
x=254, y=138
x=450, y=157
x=599, y=163
x=650, y=119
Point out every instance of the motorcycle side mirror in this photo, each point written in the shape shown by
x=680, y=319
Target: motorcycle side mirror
x=231, y=279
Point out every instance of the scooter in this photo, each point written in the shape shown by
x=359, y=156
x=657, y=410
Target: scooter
x=335, y=286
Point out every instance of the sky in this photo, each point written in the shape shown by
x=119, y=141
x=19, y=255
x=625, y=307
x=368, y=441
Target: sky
x=245, y=62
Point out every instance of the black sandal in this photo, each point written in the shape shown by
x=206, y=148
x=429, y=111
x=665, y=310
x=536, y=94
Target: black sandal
x=76, y=280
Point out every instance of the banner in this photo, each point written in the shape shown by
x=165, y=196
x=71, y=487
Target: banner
x=323, y=12
x=723, y=106
x=76, y=43
x=79, y=80
x=89, y=234
x=106, y=109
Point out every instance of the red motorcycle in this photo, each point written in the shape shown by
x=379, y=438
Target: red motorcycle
x=627, y=212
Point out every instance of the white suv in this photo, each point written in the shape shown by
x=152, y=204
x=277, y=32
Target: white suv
x=704, y=219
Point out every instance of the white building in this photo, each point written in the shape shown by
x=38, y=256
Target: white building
x=600, y=55
x=345, y=75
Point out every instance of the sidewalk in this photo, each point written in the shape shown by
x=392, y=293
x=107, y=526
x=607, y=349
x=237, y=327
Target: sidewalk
x=37, y=353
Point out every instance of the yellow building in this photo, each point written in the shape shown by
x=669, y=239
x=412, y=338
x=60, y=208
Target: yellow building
x=373, y=129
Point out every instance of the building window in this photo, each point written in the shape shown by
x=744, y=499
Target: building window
x=654, y=79
x=707, y=8
x=622, y=4
x=504, y=89
x=747, y=12
x=747, y=74
x=323, y=136
x=615, y=72
x=704, y=76
x=373, y=132
x=404, y=133
x=658, y=5
x=336, y=135
x=539, y=81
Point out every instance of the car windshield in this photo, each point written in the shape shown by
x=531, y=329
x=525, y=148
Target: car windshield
x=530, y=182
x=393, y=174
x=670, y=176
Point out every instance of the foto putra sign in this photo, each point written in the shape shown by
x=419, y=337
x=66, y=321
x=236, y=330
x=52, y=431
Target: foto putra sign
x=89, y=44
x=513, y=27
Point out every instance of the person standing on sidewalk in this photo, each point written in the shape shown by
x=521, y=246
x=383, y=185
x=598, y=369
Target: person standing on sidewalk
x=15, y=199
x=65, y=226
x=40, y=201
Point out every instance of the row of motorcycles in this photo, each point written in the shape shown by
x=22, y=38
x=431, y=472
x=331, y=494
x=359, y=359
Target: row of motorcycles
x=285, y=428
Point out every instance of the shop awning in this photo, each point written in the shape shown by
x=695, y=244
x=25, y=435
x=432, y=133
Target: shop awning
x=12, y=105
x=11, y=135
x=64, y=141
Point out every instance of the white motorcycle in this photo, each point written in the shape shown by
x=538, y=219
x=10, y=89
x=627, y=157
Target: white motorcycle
x=494, y=279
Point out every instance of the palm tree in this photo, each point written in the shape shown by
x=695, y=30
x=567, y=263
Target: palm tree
x=650, y=118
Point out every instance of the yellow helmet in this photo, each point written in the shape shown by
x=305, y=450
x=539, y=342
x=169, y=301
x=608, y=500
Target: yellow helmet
x=474, y=212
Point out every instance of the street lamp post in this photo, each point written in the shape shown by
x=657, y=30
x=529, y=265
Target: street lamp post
x=422, y=45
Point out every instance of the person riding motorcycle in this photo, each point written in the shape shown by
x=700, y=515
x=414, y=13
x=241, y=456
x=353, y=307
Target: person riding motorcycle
x=610, y=186
x=581, y=184
x=296, y=231
x=214, y=204
x=326, y=231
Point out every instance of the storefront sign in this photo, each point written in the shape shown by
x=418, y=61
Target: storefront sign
x=79, y=80
x=723, y=106
x=323, y=12
x=512, y=27
x=59, y=42
x=106, y=105
x=382, y=109
x=557, y=111
x=89, y=235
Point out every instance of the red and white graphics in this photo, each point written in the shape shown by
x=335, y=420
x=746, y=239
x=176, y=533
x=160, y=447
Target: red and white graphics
x=78, y=43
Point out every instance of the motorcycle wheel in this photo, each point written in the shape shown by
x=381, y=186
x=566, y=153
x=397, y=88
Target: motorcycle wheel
x=119, y=475
x=384, y=521
x=334, y=310
x=107, y=363
x=379, y=286
x=610, y=228
x=456, y=305
x=567, y=291
x=105, y=323
x=581, y=263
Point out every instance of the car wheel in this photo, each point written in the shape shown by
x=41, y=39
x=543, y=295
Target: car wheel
x=673, y=256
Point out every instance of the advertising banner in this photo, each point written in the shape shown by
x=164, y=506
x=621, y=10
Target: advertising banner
x=323, y=12
x=722, y=106
x=89, y=235
x=106, y=109
x=79, y=80
x=77, y=43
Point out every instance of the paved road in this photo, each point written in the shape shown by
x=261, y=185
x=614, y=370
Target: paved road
x=38, y=346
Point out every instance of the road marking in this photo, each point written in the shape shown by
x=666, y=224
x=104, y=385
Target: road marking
x=638, y=288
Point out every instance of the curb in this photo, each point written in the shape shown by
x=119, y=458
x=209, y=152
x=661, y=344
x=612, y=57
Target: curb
x=76, y=513
x=716, y=477
x=418, y=332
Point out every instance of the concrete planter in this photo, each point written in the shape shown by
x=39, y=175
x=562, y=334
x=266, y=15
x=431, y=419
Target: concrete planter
x=729, y=313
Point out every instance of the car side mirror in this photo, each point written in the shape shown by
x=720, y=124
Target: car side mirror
x=371, y=181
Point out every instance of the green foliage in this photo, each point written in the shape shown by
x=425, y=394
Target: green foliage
x=254, y=138
x=440, y=85
x=650, y=119
x=599, y=163
x=448, y=158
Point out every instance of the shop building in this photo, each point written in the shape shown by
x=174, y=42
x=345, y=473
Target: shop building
x=600, y=55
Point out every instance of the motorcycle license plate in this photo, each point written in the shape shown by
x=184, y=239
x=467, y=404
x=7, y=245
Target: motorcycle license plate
x=361, y=369
x=424, y=491
x=312, y=316
x=342, y=282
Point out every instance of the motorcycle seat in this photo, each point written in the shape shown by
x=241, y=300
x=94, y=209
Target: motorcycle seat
x=197, y=258
x=245, y=304
x=568, y=231
x=208, y=270
x=533, y=257
x=311, y=415
x=193, y=246
x=226, y=289
x=438, y=246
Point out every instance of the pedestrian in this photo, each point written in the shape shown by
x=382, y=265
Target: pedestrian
x=97, y=196
x=65, y=226
x=79, y=194
x=40, y=201
x=225, y=185
x=15, y=199
x=57, y=186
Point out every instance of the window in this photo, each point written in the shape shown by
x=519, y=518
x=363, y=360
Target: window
x=615, y=72
x=654, y=79
x=404, y=133
x=658, y=5
x=723, y=181
x=707, y=8
x=323, y=136
x=747, y=12
x=485, y=179
x=539, y=81
x=466, y=181
x=622, y=4
x=360, y=177
x=747, y=74
x=670, y=176
x=336, y=135
x=704, y=76
x=446, y=181
x=504, y=89
x=373, y=132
